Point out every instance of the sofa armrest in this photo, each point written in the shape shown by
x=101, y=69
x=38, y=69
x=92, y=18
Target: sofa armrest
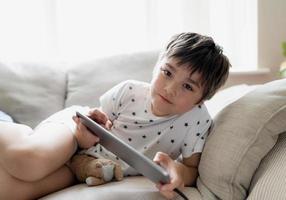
x=269, y=179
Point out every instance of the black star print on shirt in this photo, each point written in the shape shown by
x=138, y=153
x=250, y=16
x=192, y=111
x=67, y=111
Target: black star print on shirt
x=172, y=141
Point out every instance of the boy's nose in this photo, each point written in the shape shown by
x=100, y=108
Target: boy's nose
x=171, y=89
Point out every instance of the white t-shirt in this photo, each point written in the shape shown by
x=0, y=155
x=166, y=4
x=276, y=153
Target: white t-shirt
x=128, y=106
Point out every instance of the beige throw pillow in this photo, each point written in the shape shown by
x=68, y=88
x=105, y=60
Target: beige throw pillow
x=243, y=133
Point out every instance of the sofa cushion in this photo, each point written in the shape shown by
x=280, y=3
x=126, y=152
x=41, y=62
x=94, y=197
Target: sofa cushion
x=243, y=133
x=30, y=92
x=227, y=96
x=88, y=81
x=271, y=174
x=128, y=188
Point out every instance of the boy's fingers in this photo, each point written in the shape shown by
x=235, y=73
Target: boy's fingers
x=168, y=194
x=97, y=115
x=87, y=133
x=162, y=159
x=82, y=127
x=168, y=187
x=75, y=119
x=158, y=186
x=108, y=124
x=101, y=118
x=96, y=139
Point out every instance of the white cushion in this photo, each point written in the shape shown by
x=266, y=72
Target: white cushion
x=128, y=188
x=88, y=81
x=227, y=96
x=30, y=92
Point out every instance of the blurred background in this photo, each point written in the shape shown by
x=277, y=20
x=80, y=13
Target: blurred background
x=250, y=31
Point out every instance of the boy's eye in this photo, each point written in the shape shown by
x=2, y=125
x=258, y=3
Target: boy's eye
x=166, y=72
x=188, y=86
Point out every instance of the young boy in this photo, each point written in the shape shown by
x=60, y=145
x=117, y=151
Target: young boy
x=163, y=119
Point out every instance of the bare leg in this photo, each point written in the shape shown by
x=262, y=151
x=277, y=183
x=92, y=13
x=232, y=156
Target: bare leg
x=32, y=190
x=31, y=157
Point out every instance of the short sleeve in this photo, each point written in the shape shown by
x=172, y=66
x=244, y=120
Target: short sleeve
x=195, y=138
x=199, y=145
x=111, y=100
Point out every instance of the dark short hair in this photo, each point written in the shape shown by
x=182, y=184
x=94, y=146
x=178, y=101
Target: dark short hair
x=201, y=54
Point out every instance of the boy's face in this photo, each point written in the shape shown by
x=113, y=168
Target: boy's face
x=174, y=90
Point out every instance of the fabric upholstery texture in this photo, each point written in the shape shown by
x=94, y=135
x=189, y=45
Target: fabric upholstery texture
x=31, y=92
x=138, y=188
x=88, y=81
x=227, y=96
x=243, y=133
x=270, y=179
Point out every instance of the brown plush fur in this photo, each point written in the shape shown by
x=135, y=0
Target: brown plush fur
x=84, y=166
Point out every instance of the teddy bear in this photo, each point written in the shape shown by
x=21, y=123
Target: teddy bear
x=94, y=171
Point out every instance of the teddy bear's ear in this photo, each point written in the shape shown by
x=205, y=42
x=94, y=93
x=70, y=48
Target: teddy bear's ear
x=92, y=181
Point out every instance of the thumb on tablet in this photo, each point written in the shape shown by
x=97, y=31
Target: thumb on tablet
x=162, y=159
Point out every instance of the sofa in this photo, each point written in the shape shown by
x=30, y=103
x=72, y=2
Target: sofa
x=244, y=155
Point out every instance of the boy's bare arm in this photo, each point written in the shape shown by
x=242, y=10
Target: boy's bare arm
x=190, y=167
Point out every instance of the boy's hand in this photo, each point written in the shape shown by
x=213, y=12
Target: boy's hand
x=176, y=173
x=84, y=137
x=100, y=117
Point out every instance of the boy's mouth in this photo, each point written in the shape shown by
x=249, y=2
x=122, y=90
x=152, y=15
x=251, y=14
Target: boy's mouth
x=165, y=99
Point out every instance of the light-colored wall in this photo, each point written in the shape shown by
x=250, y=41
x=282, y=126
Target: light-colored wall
x=270, y=34
x=251, y=78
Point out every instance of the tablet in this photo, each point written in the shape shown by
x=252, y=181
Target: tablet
x=141, y=163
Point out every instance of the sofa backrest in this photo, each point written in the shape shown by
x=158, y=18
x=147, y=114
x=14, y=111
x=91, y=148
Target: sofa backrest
x=88, y=81
x=30, y=92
